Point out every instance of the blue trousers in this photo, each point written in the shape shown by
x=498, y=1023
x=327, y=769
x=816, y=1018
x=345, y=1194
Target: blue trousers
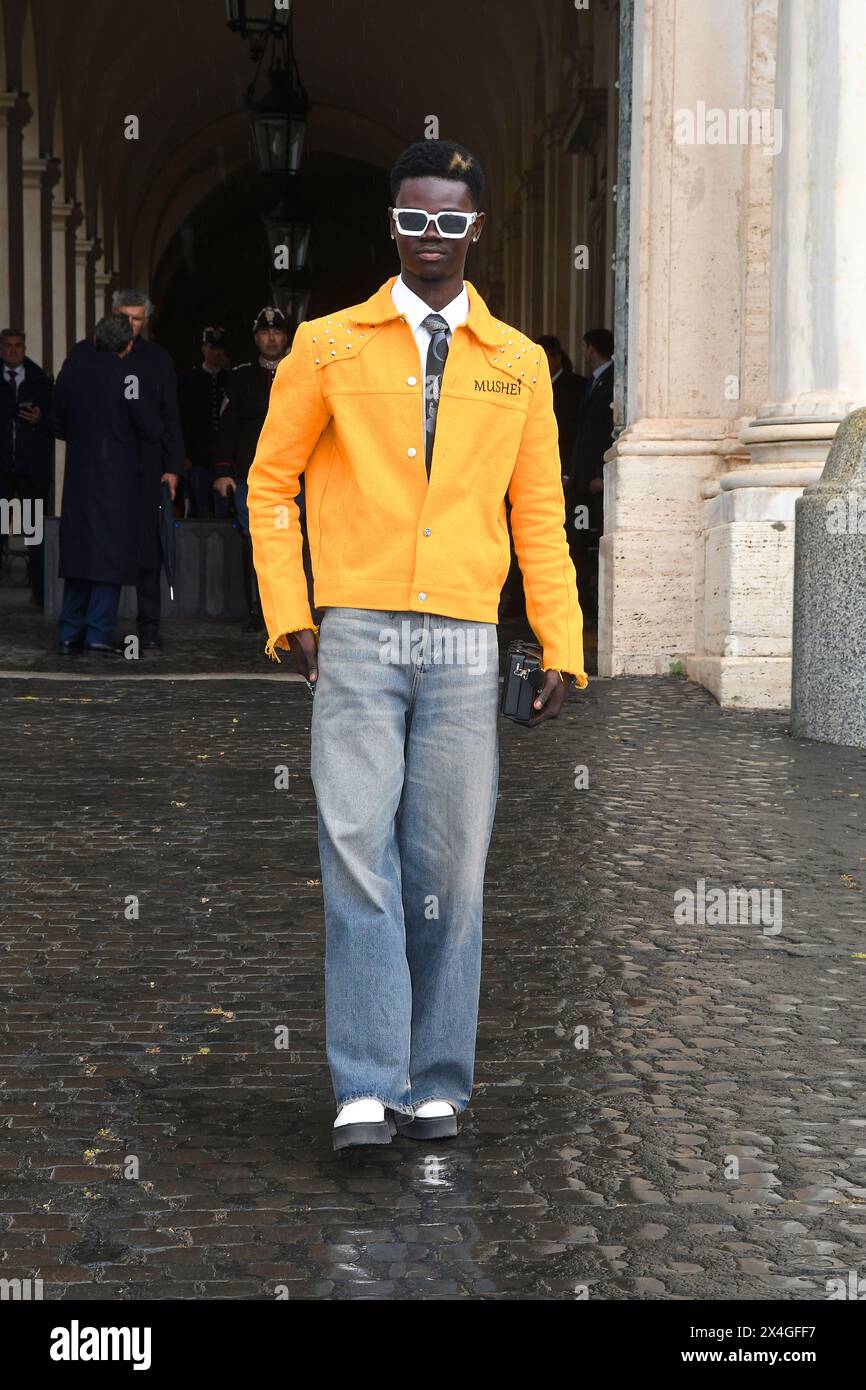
x=89, y=611
x=405, y=764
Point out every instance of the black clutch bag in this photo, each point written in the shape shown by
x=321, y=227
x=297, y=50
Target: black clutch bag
x=524, y=677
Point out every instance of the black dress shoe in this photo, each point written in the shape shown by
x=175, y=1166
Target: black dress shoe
x=146, y=643
x=70, y=648
x=254, y=623
x=104, y=648
x=427, y=1127
x=365, y=1134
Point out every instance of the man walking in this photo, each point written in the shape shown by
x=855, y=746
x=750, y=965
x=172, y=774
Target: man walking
x=105, y=421
x=162, y=459
x=247, y=393
x=26, y=449
x=410, y=415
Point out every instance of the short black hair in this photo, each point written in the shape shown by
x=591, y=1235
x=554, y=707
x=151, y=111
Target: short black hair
x=13, y=333
x=601, y=339
x=550, y=343
x=439, y=159
x=112, y=333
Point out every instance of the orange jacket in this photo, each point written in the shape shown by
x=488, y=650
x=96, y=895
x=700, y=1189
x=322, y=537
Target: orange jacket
x=346, y=410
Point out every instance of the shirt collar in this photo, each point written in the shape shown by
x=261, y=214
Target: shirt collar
x=603, y=368
x=380, y=309
x=556, y=376
x=415, y=310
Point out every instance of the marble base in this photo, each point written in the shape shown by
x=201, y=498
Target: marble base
x=744, y=682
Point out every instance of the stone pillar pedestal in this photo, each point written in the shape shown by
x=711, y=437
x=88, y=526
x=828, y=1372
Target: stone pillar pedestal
x=829, y=661
x=652, y=509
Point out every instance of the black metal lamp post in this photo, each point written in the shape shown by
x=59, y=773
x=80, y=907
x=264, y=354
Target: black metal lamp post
x=278, y=122
x=288, y=237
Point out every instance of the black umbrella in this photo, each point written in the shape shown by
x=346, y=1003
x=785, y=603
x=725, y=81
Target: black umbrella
x=166, y=536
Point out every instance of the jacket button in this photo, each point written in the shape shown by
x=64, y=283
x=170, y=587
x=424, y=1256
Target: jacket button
x=426, y=530
x=422, y=596
x=411, y=381
x=411, y=452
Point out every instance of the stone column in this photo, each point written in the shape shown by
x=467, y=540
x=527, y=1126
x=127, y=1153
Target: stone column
x=102, y=280
x=18, y=114
x=7, y=104
x=61, y=216
x=84, y=248
x=693, y=209
x=817, y=349
x=34, y=171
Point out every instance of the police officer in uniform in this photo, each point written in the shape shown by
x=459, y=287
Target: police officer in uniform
x=202, y=392
x=244, y=408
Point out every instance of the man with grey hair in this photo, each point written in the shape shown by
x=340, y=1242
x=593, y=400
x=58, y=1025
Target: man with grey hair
x=162, y=461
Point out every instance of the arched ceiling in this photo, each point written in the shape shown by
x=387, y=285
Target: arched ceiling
x=374, y=71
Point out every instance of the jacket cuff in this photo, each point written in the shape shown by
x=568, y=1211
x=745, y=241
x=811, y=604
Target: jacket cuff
x=281, y=640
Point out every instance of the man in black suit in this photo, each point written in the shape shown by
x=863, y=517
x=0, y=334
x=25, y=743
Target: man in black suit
x=106, y=420
x=569, y=390
x=162, y=459
x=585, y=485
x=26, y=445
x=202, y=395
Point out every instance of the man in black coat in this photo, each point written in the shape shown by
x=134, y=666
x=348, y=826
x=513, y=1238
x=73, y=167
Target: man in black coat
x=248, y=393
x=585, y=485
x=202, y=392
x=162, y=459
x=105, y=417
x=26, y=444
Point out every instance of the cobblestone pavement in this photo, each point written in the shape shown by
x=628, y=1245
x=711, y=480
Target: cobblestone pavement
x=708, y=1142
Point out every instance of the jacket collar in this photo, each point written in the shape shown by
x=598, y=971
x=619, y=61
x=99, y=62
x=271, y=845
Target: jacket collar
x=380, y=308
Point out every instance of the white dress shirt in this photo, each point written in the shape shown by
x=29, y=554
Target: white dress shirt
x=414, y=310
x=598, y=371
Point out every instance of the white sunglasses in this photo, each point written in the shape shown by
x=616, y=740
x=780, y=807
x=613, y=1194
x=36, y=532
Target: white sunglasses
x=414, y=222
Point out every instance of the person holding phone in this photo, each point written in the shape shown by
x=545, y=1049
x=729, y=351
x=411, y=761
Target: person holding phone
x=26, y=443
x=411, y=416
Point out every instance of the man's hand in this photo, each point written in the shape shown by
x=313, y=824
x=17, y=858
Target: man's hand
x=549, y=700
x=225, y=485
x=596, y=485
x=30, y=413
x=305, y=653
x=172, y=479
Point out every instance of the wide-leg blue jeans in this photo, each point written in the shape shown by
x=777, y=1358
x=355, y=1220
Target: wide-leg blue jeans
x=405, y=766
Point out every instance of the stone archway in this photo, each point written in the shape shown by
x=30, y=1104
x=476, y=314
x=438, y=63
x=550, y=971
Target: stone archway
x=215, y=267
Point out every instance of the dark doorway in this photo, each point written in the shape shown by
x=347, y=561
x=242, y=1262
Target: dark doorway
x=216, y=270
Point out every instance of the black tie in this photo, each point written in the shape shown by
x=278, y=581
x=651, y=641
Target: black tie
x=437, y=355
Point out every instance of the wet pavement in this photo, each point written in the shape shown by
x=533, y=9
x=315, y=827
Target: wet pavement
x=665, y=1108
